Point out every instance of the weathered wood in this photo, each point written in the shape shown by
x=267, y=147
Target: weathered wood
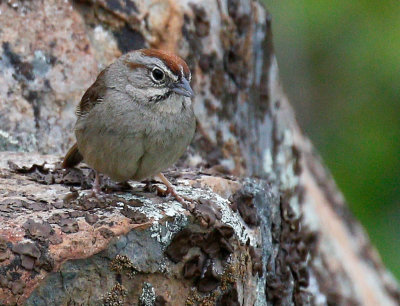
x=61, y=246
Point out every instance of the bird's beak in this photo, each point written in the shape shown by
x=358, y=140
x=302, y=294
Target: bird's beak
x=183, y=88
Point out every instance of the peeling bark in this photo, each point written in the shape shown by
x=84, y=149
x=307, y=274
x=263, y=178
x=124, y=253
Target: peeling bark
x=269, y=225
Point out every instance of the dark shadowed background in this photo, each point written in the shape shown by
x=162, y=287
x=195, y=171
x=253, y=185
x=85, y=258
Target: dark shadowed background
x=340, y=66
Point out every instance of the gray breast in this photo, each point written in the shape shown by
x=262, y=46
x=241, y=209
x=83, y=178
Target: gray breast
x=166, y=142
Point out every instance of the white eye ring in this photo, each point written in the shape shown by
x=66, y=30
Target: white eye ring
x=157, y=75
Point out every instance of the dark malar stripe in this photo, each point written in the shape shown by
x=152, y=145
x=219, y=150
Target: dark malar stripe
x=159, y=98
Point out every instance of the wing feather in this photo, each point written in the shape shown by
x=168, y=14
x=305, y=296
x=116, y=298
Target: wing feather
x=93, y=95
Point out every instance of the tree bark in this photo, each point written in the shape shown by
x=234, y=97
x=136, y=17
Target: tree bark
x=268, y=225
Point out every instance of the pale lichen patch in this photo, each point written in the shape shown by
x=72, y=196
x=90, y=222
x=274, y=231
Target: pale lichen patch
x=228, y=217
x=148, y=296
x=163, y=233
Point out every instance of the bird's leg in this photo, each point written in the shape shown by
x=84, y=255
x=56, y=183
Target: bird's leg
x=96, y=190
x=171, y=190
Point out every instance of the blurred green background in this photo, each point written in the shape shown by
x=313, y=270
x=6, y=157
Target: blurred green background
x=340, y=66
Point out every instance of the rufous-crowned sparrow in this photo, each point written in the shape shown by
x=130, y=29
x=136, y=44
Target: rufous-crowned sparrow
x=136, y=119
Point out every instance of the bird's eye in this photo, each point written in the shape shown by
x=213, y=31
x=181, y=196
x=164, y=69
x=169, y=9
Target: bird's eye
x=157, y=74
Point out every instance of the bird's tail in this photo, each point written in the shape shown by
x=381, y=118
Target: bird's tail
x=72, y=158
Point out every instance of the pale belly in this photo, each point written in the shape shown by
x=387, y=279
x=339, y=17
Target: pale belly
x=161, y=154
x=134, y=156
x=115, y=156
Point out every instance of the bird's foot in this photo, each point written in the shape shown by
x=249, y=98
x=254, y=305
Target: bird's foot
x=185, y=201
x=96, y=189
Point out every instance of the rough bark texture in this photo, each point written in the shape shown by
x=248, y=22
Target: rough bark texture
x=284, y=236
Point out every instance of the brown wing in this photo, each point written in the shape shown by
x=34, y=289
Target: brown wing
x=93, y=95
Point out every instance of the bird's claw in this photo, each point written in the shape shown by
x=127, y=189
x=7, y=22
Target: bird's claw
x=185, y=201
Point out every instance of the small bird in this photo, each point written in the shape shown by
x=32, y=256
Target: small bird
x=136, y=119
